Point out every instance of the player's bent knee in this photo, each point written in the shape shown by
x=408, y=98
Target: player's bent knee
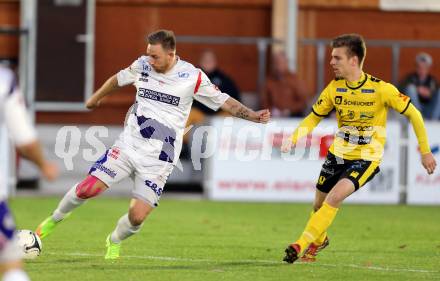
x=90, y=187
x=138, y=216
x=342, y=190
x=334, y=199
x=139, y=211
x=137, y=219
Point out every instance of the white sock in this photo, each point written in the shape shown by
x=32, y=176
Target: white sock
x=124, y=229
x=69, y=202
x=15, y=275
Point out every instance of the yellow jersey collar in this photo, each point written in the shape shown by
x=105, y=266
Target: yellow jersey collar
x=357, y=84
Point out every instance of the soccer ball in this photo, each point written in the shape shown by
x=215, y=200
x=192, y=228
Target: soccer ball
x=30, y=243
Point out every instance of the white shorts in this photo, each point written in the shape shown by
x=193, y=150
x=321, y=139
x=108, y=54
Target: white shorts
x=149, y=176
x=9, y=249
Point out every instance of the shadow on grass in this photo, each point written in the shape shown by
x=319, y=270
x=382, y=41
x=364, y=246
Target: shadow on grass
x=88, y=264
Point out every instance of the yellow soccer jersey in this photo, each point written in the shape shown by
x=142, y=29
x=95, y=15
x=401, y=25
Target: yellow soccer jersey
x=361, y=113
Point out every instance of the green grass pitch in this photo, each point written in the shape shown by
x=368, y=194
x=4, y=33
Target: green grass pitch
x=202, y=240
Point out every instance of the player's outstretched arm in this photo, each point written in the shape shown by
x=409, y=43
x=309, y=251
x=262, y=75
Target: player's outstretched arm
x=304, y=128
x=33, y=152
x=428, y=160
x=237, y=109
x=24, y=136
x=109, y=86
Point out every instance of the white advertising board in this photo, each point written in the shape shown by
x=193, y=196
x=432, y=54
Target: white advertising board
x=423, y=188
x=247, y=164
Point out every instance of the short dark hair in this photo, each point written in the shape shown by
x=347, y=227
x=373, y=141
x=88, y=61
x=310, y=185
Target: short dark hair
x=355, y=45
x=165, y=38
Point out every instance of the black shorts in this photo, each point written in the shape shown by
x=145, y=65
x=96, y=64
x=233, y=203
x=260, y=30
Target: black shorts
x=335, y=168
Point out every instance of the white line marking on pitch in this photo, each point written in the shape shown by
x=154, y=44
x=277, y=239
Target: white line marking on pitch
x=376, y=268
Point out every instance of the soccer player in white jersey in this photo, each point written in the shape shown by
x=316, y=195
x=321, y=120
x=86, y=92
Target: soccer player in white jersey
x=150, y=144
x=13, y=115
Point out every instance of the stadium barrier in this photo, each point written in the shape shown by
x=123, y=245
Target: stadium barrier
x=247, y=164
x=242, y=161
x=421, y=188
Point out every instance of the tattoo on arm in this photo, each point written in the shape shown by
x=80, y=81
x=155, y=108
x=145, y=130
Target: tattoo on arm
x=239, y=110
x=243, y=113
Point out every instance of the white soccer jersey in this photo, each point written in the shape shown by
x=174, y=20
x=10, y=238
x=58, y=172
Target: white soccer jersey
x=13, y=115
x=156, y=123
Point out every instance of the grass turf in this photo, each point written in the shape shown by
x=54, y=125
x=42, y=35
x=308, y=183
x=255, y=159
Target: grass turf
x=203, y=240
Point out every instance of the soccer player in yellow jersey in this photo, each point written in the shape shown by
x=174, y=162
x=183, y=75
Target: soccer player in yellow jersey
x=361, y=102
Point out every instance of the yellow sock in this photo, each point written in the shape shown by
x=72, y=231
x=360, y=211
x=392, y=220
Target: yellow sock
x=322, y=237
x=317, y=225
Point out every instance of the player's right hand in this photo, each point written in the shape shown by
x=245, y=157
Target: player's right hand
x=429, y=163
x=49, y=171
x=287, y=145
x=263, y=116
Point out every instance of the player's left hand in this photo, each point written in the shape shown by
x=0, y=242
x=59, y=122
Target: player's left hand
x=49, y=171
x=287, y=145
x=429, y=162
x=92, y=103
x=263, y=116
